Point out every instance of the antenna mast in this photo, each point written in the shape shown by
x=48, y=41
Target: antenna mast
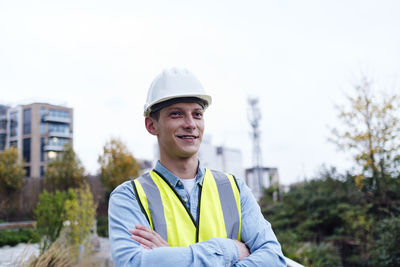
x=254, y=117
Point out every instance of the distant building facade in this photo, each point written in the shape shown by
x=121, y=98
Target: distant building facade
x=39, y=131
x=269, y=177
x=221, y=158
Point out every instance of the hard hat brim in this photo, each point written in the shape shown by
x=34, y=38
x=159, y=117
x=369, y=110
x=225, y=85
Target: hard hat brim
x=206, y=98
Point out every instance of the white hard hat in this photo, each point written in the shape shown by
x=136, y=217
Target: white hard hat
x=174, y=83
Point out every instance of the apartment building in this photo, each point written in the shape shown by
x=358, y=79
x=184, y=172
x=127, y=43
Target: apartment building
x=39, y=131
x=258, y=179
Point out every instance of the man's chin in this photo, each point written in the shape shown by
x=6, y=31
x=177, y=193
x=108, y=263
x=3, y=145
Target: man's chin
x=185, y=154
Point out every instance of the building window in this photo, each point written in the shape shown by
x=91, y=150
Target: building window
x=42, y=149
x=51, y=155
x=27, y=171
x=3, y=123
x=58, y=141
x=2, y=142
x=42, y=112
x=27, y=121
x=59, y=128
x=13, y=144
x=26, y=151
x=59, y=113
x=42, y=123
x=42, y=127
x=13, y=123
x=41, y=171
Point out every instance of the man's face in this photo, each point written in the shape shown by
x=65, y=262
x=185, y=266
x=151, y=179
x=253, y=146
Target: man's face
x=179, y=130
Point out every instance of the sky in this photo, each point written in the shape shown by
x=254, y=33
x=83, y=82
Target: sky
x=300, y=58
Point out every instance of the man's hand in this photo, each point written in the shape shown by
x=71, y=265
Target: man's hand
x=147, y=238
x=243, y=250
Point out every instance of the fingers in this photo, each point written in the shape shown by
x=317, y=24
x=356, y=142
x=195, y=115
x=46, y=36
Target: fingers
x=144, y=228
x=243, y=249
x=147, y=238
x=143, y=242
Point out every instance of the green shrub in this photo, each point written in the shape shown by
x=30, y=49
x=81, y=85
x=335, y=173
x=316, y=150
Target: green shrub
x=73, y=211
x=102, y=226
x=14, y=237
x=324, y=254
x=387, y=252
x=80, y=213
x=50, y=215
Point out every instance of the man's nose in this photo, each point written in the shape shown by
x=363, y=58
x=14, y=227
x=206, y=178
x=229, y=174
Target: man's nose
x=189, y=122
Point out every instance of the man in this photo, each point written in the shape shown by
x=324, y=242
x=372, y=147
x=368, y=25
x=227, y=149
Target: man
x=181, y=214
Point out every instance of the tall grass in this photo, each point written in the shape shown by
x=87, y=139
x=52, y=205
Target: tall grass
x=56, y=256
x=61, y=253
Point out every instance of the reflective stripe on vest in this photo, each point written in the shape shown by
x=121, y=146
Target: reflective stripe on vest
x=219, y=213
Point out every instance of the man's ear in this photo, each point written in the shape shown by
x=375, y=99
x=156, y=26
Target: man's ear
x=151, y=125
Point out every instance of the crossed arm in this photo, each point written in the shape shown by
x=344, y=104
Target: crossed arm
x=134, y=244
x=149, y=239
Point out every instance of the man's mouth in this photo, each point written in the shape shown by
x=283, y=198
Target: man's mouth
x=187, y=137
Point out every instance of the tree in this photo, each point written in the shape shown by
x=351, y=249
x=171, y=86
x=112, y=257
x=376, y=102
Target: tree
x=65, y=171
x=50, y=215
x=11, y=179
x=372, y=133
x=116, y=164
x=80, y=213
x=68, y=215
x=387, y=250
x=323, y=219
x=11, y=171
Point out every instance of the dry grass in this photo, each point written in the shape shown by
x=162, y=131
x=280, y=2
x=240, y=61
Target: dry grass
x=56, y=256
x=59, y=255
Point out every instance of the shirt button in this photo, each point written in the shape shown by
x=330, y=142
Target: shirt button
x=179, y=183
x=185, y=199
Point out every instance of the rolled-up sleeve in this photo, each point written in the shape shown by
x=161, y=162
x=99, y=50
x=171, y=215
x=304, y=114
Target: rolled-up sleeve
x=124, y=213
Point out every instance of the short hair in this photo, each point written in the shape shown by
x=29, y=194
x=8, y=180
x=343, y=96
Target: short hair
x=155, y=114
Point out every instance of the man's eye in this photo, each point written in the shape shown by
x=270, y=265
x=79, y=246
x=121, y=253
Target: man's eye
x=175, y=113
x=198, y=115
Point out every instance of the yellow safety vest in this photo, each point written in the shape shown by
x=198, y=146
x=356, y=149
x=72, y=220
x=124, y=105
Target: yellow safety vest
x=219, y=213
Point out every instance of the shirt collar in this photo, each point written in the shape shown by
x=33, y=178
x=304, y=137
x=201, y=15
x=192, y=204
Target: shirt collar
x=173, y=179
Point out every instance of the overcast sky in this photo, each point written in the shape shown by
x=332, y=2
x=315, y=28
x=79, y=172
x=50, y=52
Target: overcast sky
x=298, y=57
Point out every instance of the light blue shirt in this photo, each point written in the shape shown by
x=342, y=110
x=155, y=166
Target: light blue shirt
x=124, y=213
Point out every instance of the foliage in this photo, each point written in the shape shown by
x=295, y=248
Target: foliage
x=80, y=213
x=73, y=211
x=65, y=171
x=313, y=207
x=354, y=217
x=16, y=236
x=371, y=131
x=323, y=254
x=116, y=164
x=333, y=210
x=11, y=171
x=102, y=226
x=50, y=215
x=387, y=251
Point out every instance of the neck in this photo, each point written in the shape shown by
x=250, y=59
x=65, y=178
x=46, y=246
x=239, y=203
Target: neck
x=185, y=168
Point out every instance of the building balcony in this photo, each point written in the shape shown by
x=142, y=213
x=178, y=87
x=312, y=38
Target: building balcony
x=49, y=118
x=60, y=134
x=3, y=117
x=54, y=147
x=3, y=131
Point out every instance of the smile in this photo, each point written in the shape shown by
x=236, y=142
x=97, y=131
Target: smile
x=188, y=137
